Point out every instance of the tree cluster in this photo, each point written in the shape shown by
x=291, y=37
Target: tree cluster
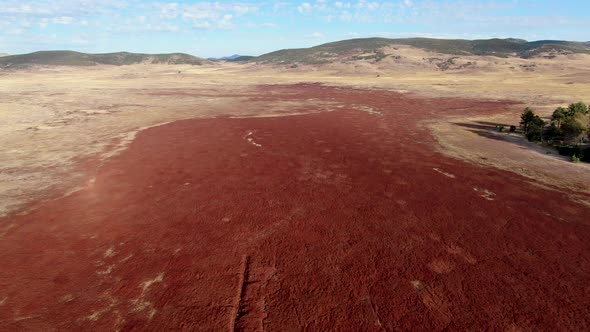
x=567, y=126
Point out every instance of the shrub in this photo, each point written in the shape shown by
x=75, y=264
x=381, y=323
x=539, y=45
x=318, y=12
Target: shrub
x=575, y=150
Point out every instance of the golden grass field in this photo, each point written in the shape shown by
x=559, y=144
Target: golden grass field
x=50, y=118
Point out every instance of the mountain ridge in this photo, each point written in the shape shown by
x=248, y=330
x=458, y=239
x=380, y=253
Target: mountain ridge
x=479, y=47
x=324, y=53
x=73, y=58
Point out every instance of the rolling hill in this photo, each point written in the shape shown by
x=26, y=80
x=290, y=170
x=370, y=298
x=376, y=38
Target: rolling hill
x=70, y=58
x=493, y=47
x=355, y=49
x=232, y=58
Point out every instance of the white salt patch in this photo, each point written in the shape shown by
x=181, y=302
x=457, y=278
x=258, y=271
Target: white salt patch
x=444, y=173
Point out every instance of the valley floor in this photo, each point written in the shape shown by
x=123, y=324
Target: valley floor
x=277, y=205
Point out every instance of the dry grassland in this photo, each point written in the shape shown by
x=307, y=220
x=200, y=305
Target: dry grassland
x=51, y=118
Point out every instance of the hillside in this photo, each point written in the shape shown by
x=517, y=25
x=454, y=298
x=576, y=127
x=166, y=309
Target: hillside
x=70, y=58
x=232, y=58
x=492, y=47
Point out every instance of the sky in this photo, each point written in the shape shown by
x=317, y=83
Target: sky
x=213, y=29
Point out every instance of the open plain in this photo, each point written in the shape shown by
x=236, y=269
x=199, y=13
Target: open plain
x=260, y=197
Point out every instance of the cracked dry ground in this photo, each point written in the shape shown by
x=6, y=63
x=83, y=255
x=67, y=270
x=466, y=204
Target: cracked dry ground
x=343, y=220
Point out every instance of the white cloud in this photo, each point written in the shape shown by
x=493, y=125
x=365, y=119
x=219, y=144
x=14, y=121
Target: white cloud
x=203, y=25
x=17, y=31
x=60, y=7
x=241, y=9
x=361, y=10
x=13, y=7
x=207, y=15
x=367, y=5
x=305, y=8
x=309, y=8
x=317, y=35
x=169, y=10
x=226, y=21
x=66, y=20
x=260, y=25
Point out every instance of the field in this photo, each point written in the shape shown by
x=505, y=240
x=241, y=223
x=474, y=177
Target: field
x=251, y=197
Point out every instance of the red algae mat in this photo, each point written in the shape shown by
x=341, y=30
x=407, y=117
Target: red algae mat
x=344, y=220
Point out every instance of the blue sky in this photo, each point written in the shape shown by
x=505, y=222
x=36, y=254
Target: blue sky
x=254, y=27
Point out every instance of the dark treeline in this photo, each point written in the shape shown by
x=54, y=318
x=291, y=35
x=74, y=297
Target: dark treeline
x=567, y=130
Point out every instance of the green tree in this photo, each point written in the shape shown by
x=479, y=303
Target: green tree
x=558, y=116
x=574, y=128
x=526, y=118
x=535, y=129
x=577, y=108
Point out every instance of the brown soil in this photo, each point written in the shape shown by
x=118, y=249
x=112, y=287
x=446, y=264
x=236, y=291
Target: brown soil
x=343, y=220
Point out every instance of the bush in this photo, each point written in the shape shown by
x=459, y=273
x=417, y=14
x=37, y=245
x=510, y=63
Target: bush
x=575, y=159
x=566, y=150
x=577, y=151
x=534, y=135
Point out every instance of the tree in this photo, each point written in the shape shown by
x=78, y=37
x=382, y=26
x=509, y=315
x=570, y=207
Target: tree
x=577, y=108
x=535, y=129
x=558, y=116
x=526, y=118
x=575, y=127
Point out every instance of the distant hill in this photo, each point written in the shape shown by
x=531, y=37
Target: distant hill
x=495, y=47
x=242, y=58
x=70, y=58
x=235, y=57
x=4, y=54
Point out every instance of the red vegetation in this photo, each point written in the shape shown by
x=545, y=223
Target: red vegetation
x=342, y=220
